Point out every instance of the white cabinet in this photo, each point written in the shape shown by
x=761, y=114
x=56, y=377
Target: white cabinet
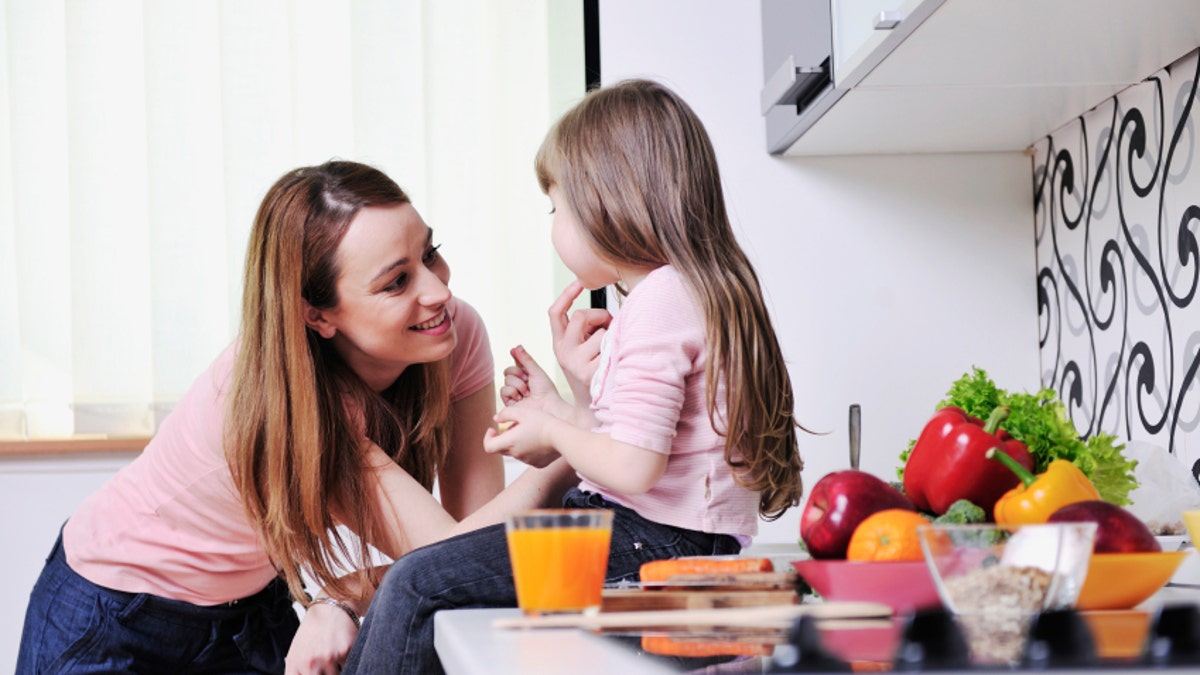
x=976, y=75
x=859, y=26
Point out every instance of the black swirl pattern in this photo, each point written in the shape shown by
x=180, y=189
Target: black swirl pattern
x=1116, y=214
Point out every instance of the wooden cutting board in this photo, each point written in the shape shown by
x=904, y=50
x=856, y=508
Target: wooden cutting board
x=778, y=616
x=638, y=599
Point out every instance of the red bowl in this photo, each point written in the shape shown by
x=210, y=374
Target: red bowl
x=903, y=586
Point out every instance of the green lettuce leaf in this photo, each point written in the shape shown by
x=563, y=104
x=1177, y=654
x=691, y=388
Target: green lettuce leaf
x=1040, y=421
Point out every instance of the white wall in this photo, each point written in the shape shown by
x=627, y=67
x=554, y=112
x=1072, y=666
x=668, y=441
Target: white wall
x=888, y=277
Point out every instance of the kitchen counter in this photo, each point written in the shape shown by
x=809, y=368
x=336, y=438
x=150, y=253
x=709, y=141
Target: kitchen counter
x=469, y=645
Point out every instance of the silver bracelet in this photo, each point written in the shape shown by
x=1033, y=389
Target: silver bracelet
x=342, y=606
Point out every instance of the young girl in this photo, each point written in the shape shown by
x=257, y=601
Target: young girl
x=686, y=432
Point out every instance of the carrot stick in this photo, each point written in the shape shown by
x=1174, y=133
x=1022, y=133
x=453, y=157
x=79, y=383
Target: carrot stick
x=666, y=646
x=662, y=570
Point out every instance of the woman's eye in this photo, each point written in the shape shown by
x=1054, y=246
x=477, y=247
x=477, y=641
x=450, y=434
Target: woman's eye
x=398, y=284
x=432, y=255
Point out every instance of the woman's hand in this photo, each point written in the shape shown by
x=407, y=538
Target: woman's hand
x=322, y=643
x=577, y=341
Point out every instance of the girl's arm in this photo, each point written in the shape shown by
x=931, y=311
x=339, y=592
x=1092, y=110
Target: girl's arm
x=537, y=438
x=470, y=477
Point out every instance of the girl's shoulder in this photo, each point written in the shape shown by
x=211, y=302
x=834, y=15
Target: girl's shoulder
x=662, y=304
x=664, y=286
x=660, y=281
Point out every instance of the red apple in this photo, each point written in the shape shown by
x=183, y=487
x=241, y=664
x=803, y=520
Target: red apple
x=838, y=503
x=1117, y=529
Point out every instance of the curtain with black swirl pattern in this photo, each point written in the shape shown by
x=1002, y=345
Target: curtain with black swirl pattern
x=1116, y=210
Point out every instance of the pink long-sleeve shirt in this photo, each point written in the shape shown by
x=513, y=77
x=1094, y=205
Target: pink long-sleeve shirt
x=171, y=523
x=649, y=391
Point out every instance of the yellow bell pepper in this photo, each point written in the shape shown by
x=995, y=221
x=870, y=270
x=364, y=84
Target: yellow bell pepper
x=1036, y=497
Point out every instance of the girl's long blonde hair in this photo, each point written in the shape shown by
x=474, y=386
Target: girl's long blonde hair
x=297, y=414
x=637, y=168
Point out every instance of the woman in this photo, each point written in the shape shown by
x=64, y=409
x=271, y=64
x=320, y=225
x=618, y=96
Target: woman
x=357, y=381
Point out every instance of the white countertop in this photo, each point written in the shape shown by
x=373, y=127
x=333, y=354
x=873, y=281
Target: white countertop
x=468, y=645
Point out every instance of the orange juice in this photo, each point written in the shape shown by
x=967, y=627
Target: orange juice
x=559, y=559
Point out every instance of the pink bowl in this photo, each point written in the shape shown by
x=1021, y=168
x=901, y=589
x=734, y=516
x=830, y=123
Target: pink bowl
x=903, y=586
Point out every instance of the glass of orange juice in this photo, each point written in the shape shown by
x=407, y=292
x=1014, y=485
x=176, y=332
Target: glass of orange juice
x=559, y=557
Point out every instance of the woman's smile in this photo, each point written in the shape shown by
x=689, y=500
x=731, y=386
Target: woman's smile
x=435, y=326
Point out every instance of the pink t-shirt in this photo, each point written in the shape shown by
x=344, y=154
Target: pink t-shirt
x=171, y=523
x=648, y=391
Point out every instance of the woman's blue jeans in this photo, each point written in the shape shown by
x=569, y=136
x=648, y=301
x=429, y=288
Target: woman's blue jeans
x=473, y=570
x=75, y=626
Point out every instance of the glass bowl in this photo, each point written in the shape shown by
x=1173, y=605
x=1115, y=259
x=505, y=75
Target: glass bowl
x=995, y=579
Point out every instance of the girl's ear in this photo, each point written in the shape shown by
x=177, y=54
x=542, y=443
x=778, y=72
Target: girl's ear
x=315, y=319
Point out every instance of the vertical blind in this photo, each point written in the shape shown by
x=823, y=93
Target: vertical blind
x=138, y=137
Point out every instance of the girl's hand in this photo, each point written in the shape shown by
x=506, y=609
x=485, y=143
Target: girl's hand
x=526, y=439
x=525, y=381
x=322, y=643
x=516, y=383
x=577, y=340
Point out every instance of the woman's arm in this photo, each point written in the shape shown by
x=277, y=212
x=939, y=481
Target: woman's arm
x=413, y=518
x=470, y=477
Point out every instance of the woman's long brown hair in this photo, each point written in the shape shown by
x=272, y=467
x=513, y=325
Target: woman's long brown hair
x=638, y=170
x=297, y=414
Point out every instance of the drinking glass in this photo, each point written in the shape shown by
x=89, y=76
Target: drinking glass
x=559, y=558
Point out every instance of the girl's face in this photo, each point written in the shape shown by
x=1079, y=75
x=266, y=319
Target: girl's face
x=392, y=296
x=573, y=247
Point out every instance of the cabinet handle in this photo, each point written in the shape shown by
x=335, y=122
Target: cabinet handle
x=888, y=20
x=792, y=84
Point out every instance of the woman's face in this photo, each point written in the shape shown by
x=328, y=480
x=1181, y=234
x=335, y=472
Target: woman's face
x=392, y=296
x=572, y=246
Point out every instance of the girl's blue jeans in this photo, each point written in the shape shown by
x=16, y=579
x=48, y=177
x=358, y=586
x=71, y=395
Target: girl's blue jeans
x=473, y=570
x=75, y=626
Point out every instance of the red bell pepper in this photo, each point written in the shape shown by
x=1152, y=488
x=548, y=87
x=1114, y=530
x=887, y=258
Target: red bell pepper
x=949, y=461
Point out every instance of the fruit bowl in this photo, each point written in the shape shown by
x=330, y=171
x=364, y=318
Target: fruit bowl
x=1125, y=580
x=903, y=586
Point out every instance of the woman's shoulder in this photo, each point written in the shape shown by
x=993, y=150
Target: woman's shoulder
x=471, y=364
x=468, y=324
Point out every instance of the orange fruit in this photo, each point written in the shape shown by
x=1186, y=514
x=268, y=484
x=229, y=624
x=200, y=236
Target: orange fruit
x=890, y=534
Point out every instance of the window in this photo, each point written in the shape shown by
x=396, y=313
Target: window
x=140, y=136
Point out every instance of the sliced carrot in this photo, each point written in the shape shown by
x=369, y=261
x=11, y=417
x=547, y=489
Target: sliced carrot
x=662, y=570
x=665, y=645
